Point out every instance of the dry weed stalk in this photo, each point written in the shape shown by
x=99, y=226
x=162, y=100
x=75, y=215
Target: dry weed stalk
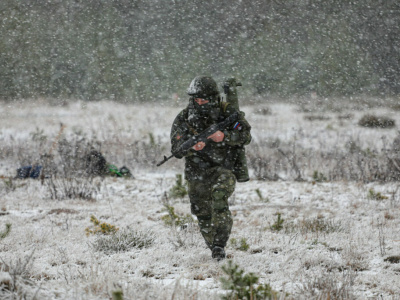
x=329, y=286
x=381, y=237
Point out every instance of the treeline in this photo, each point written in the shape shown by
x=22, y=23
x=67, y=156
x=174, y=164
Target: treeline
x=143, y=50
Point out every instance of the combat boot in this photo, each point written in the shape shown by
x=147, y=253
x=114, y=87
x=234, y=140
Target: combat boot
x=218, y=253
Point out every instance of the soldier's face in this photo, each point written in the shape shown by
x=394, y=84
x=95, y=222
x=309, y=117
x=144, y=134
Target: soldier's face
x=201, y=101
x=205, y=106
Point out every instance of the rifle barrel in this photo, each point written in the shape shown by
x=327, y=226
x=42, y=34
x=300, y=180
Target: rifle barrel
x=165, y=160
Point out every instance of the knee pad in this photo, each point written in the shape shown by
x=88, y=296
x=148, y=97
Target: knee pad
x=201, y=209
x=220, y=197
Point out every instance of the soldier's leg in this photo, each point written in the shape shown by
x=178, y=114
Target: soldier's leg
x=221, y=189
x=201, y=207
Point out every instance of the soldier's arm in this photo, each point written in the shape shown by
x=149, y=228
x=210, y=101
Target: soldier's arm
x=179, y=133
x=237, y=134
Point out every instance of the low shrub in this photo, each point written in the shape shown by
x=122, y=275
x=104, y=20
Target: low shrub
x=244, y=286
x=376, y=122
x=100, y=228
x=241, y=244
x=395, y=259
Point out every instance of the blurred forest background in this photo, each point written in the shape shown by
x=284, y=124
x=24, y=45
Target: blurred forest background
x=146, y=50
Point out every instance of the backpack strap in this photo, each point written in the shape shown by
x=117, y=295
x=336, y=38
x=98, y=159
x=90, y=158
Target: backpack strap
x=224, y=106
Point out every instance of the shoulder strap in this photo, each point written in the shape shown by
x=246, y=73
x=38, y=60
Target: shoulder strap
x=191, y=129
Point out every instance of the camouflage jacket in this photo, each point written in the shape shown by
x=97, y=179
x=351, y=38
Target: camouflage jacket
x=221, y=154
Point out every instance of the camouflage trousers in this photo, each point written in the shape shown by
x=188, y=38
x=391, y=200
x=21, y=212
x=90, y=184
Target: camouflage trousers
x=209, y=202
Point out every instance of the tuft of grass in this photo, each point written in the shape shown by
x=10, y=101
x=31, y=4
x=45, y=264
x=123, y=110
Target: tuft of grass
x=319, y=177
x=117, y=295
x=261, y=197
x=178, y=190
x=6, y=232
x=328, y=287
x=241, y=244
x=173, y=219
x=316, y=118
x=148, y=273
x=315, y=225
x=71, y=188
x=38, y=135
x=376, y=195
x=152, y=139
x=123, y=241
x=388, y=216
x=16, y=280
x=278, y=225
x=9, y=184
x=244, y=286
x=321, y=225
x=100, y=228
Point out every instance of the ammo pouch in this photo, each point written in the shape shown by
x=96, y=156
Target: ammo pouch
x=236, y=161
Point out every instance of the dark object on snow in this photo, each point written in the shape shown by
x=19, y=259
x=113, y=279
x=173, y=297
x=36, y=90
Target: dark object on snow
x=125, y=172
x=376, y=122
x=96, y=164
x=122, y=172
x=29, y=172
x=393, y=259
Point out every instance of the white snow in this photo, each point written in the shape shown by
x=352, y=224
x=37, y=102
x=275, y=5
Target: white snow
x=178, y=265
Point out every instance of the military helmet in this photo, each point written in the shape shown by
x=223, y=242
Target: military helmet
x=203, y=86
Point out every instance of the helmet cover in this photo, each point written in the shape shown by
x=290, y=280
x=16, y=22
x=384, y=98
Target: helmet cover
x=203, y=87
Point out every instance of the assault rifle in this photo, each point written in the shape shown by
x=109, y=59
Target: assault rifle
x=201, y=137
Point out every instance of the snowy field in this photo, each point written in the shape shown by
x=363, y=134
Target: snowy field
x=339, y=239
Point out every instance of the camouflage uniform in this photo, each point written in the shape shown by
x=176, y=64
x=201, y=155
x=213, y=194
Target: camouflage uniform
x=209, y=172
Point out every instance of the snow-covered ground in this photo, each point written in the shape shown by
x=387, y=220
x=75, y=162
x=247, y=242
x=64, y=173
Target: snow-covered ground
x=336, y=237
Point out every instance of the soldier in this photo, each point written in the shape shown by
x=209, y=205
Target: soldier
x=209, y=167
